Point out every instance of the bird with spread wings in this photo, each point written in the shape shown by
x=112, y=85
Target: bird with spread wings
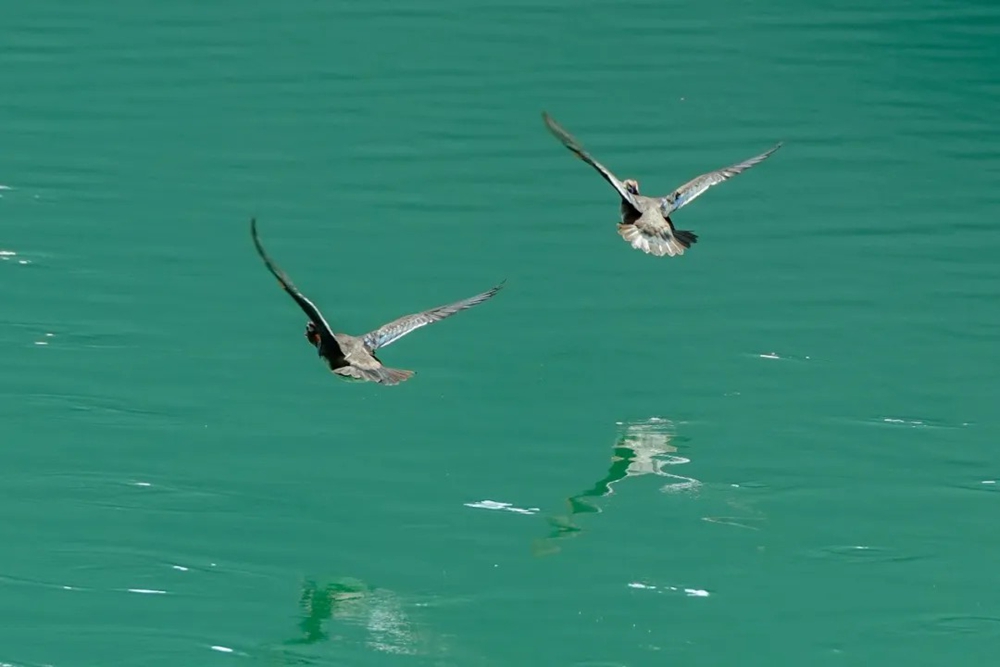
x=353, y=357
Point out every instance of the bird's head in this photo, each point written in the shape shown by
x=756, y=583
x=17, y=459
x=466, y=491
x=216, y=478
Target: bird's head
x=312, y=334
x=631, y=185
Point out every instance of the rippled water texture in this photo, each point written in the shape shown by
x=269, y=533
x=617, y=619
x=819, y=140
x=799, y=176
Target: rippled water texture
x=776, y=449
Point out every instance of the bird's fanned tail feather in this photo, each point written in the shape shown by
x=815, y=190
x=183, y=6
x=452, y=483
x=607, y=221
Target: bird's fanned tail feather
x=380, y=375
x=658, y=245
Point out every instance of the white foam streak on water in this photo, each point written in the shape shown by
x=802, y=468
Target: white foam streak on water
x=494, y=505
x=690, y=592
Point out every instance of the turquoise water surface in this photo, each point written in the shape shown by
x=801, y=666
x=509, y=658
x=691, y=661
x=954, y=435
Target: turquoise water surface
x=778, y=449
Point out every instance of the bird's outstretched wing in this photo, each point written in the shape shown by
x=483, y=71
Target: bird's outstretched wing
x=393, y=331
x=571, y=143
x=694, y=188
x=307, y=306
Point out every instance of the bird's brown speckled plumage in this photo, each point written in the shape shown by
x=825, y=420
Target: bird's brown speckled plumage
x=645, y=221
x=354, y=356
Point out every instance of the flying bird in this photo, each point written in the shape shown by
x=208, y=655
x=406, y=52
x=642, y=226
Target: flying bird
x=645, y=221
x=353, y=357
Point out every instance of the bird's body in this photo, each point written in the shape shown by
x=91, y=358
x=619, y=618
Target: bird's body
x=645, y=221
x=353, y=357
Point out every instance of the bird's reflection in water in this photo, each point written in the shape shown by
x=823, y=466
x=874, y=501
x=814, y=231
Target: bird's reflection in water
x=344, y=616
x=377, y=613
x=643, y=448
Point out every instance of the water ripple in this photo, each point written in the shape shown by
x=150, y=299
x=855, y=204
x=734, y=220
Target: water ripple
x=861, y=554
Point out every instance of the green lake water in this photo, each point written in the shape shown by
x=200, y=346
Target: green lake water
x=778, y=449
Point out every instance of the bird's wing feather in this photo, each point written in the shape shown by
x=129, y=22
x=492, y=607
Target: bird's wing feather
x=305, y=304
x=573, y=145
x=393, y=331
x=694, y=188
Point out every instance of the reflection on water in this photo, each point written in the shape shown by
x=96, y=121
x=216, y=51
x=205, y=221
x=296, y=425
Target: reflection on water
x=378, y=612
x=643, y=448
x=648, y=443
x=346, y=614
